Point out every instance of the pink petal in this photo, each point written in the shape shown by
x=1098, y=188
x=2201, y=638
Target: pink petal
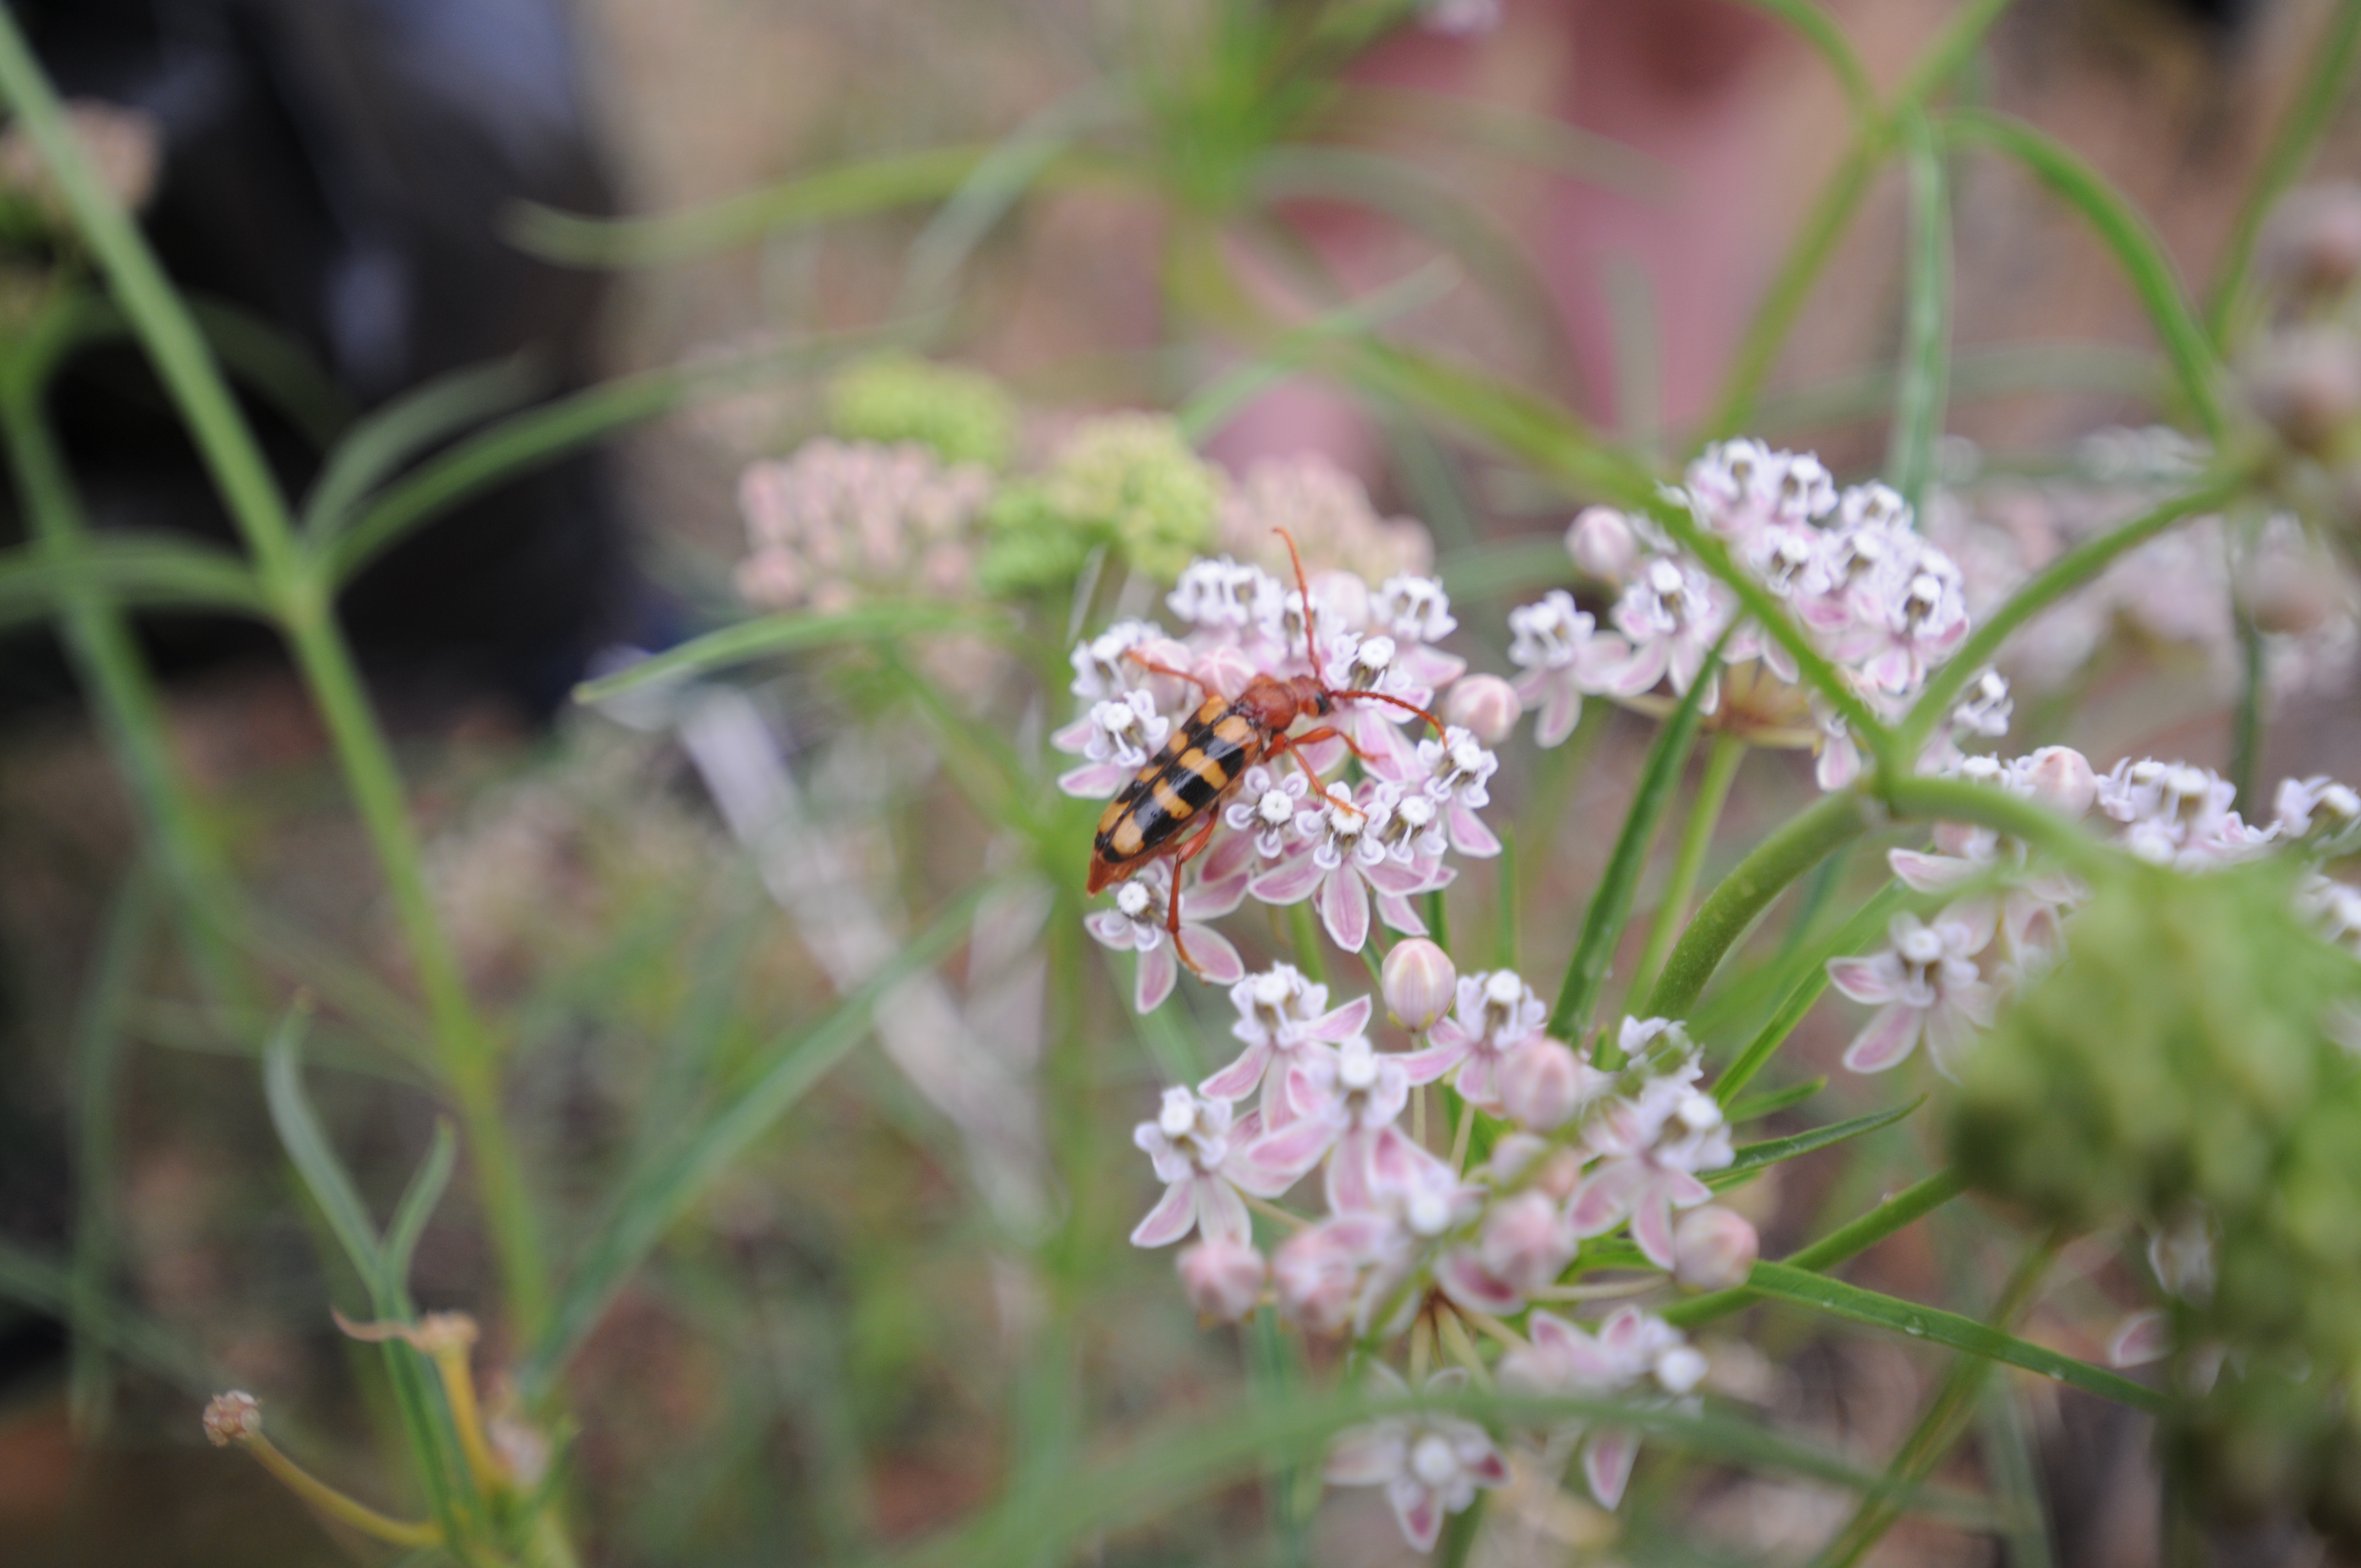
x=1094, y=782
x=2145, y=1337
x=1290, y=881
x=1110, y=926
x=1488, y=1468
x=1342, y=1024
x=1221, y=1213
x=1276, y=1162
x=1345, y=908
x=1426, y=1066
x=1366, y=1456
x=1606, y=1464
x=1863, y=978
x=1926, y=872
x=1418, y=1510
x=1468, y=834
x=1217, y=962
x=1157, y=970
x=1173, y=1217
x=1561, y=710
x=1651, y=1226
x=1467, y=1282
x=1238, y=1080
x=1400, y=915
x=1890, y=1037
x=1606, y=1197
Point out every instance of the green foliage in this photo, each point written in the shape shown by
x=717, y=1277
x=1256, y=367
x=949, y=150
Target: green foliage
x=965, y=415
x=1126, y=483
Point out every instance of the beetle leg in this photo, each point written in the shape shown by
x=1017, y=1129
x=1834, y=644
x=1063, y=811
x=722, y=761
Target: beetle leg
x=1290, y=745
x=1180, y=859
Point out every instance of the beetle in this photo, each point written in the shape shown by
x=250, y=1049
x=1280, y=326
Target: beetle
x=1168, y=810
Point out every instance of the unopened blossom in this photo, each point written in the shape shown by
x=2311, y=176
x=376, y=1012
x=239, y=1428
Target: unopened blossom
x=1925, y=985
x=1431, y=1465
x=1124, y=733
x=1604, y=545
x=1456, y=771
x=1191, y=1144
x=1341, y=858
x=2060, y=778
x=1279, y=1014
x=1137, y=923
x=232, y=1418
x=1541, y=1083
x=1416, y=613
x=1671, y=614
x=1496, y=1011
x=1266, y=806
x=1485, y=706
x=2178, y=815
x=1327, y=1276
x=1655, y=1142
x=1419, y=983
x=1714, y=1249
x=1635, y=1354
x=1564, y=655
x=843, y=520
x=1223, y=1279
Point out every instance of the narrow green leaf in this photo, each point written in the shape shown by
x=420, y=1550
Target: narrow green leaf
x=1750, y=1159
x=541, y=435
x=1784, y=1282
x=2136, y=248
x=273, y=363
x=160, y=571
x=1754, y=1107
x=657, y=1197
x=1734, y=904
x=47, y=1288
x=848, y=190
x=307, y=1147
x=787, y=632
x=1925, y=374
x=1826, y=37
x=1856, y=1237
x=1618, y=884
x=393, y=434
x=417, y=1206
x=2052, y=583
x=98, y=1044
x=999, y=180
x=1810, y=969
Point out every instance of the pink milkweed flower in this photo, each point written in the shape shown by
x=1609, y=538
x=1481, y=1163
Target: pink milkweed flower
x=1374, y=664
x=1219, y=595
x=1604, y=545
x=1192, y=1144
x=1671, y=614
x=2030, y=908
x=1118, y=736
x=1341, y=857
x=1924, y=985
x=1564, y=655
x=1101, y=669
x=1485, y=706
x=1319, y=1274
x=1135, y=923
x=2302, y=802
x=1455, y=771
x=1738, y=488
x=1631, y=1349
x=1279, y=1013
x=1340, y=1099
x=1886, y=602
x=1268, y=801
x=1416, y=613
x=2178, y=815
x=1497, y=1013
x=1430, y=1465
x=1222, y=1279
x=1522, y=1246
x=1655, y=1142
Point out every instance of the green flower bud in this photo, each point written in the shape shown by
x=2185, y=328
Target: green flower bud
x=1131, y=478
x=965, y=415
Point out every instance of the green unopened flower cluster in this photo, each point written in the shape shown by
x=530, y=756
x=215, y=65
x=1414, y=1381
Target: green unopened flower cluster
x=2178, y=1061
x=965, y=415
x=1127, y=482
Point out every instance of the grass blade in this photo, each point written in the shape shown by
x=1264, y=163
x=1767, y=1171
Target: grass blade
x=48, y=1288
x=1754, y=1107
x=1618, y=884
x=307, y=1147
x=393, y=434
x=642, y=1213
x=2136, y=246
x=1826, y=37
x=1906, y=1208
x=1926, y=329
x=417, y=1206
x=1811, y=969
x=787, y=632
x=98, y=1042
x=1750, y=1159
x=128, y=568
x=1784, y=1282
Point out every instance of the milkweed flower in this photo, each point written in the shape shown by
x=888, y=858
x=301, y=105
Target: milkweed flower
x=1495, y=1013
x=1342, y=860
x=1191, y=1145
x=1635, y=1354
x=1281, y=1013
x=1671, y=614
x=1654, y=1142
x=1430, y=1465
x=1136, y=923
x=1564, y=655
x=1123, y=733
x=1925, y=985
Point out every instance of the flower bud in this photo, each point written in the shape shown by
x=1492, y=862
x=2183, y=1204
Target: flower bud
x=1540, y=1084
x=1341, y=601
x=1681, y=1368
x=1526, y=1243
x=2306, y=384
x=1713, y=1249
x=1420, y=981
x=1314, y=1278
x=233, y=1417
x=2060, y=778
x=1485, y=706
x=1227, y=670
x=1602, y=544
x=1222, y=1279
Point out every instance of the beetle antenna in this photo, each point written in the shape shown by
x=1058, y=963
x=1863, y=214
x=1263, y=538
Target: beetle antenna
x=1401, y=702
x=1311, y=630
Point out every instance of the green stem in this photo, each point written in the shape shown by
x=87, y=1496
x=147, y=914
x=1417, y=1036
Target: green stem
x=1904, y=1207
x=1961, y=800
x=1925, y=374
x=1947, y=1416
x=1818, y=832
x=1951, y=51
x=2060, y=577
x=2307, y=118
x=2254, y=661
x=1863, y=928
x=1688, y=862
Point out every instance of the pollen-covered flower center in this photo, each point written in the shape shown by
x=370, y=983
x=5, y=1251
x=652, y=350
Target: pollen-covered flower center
x=1433, y=1460
x=1132, y=899
x=1276, y=808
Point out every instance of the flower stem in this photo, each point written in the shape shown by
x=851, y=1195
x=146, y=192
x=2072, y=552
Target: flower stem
x=335, y=1504
x=1285, y=1216
x=1721, y=764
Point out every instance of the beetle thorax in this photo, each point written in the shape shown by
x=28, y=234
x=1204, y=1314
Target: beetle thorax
x=1274, y=703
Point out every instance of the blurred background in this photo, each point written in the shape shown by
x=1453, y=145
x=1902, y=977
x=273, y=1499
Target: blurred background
x=831, y=1357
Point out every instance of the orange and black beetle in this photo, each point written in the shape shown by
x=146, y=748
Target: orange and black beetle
x=1170, y=807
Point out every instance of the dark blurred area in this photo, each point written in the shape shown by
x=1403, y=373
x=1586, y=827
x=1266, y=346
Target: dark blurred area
x=338, y=170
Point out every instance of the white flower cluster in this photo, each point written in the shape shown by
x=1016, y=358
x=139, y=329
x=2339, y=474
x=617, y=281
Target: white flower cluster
x=1940, y=980
x=1874, y=596
x=1588, y=1151
x=840, y=520
x=1291, y=830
